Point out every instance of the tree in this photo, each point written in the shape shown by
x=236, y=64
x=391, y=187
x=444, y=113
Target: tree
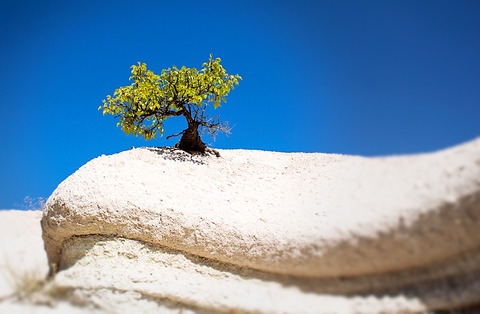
x=145, y=104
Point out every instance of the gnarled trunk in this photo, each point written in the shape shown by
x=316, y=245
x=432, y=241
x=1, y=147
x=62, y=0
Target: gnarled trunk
x=191, y=141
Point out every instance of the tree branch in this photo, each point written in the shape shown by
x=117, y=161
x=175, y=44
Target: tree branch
x=175, y=135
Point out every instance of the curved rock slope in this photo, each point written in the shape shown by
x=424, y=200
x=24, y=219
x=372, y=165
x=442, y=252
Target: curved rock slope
x=305, y=228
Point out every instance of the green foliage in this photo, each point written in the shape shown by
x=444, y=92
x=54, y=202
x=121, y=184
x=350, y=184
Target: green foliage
x=151, y=99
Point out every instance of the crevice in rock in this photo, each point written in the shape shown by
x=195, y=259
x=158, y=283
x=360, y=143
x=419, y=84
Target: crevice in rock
x=458, y=275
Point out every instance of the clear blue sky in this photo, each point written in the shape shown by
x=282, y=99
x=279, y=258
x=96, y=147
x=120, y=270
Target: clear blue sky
x=370, y=77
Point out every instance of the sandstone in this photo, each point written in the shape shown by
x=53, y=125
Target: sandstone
x=257, y=231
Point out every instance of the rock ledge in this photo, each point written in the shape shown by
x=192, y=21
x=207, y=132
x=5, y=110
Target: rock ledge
x=366, y=235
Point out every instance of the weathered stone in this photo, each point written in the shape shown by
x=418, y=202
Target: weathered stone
x=275, y=232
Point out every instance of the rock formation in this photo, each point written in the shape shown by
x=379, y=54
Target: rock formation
x=256, y=231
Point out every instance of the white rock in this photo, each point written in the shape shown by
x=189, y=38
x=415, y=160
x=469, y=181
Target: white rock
x=273, y=232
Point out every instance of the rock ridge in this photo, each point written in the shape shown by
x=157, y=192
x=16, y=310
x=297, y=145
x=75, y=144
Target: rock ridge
x=336, y=229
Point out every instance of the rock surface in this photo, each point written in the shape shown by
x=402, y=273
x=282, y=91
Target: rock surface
x=20, y=240
x=268, y=232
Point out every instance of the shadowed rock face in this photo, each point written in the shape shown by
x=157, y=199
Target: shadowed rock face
x=273, y=232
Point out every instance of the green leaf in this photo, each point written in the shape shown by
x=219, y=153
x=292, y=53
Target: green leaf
x=152, y=98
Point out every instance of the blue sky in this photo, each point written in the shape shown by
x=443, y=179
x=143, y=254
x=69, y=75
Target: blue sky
x=361, y=77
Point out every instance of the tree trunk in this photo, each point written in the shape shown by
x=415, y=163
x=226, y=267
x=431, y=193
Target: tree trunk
x=191, y=141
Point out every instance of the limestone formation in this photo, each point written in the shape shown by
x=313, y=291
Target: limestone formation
x=257, y=231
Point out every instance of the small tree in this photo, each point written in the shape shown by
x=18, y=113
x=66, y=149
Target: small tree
x=151, y=99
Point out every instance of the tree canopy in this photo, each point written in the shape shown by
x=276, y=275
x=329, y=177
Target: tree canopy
x=145, y=104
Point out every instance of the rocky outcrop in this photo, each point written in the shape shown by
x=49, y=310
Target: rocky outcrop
x=268, y=232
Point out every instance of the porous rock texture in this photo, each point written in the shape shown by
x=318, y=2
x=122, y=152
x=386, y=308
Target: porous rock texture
x=268, y=232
